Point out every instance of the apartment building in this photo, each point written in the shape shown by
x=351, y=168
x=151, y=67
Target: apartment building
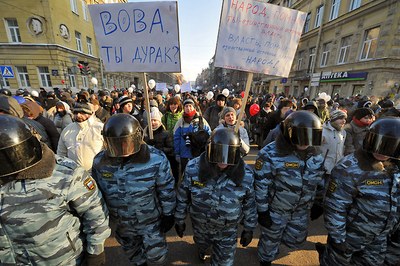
x=51, y=43
x=347, y=47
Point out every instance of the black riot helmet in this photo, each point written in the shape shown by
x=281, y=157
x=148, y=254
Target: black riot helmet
x=19, y=149
x=303, y=128
x=224, y=146
x=383, y=137
x=6, y=92
x=123, y=135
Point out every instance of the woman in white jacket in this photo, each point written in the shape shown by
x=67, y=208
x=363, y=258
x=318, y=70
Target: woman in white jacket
x=333, y=137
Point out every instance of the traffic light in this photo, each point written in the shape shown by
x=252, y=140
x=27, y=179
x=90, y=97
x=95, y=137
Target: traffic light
x=87, y=69
x=81, y=67
x=84, y=68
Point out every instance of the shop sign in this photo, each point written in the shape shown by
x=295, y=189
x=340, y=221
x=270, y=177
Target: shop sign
x=343, y=76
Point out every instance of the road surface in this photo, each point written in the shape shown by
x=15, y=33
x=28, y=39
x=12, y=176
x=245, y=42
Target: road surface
x=182, y=251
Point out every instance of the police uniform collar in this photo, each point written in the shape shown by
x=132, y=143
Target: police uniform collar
x=367, y=162
x=41, y=170
x=142, y=156
x=209, y=170
x=284, y=147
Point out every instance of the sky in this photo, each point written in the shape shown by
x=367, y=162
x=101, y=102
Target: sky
x=198, y=30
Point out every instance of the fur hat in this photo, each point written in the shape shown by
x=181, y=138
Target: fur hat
x=31, y=109
x=361, y=112
x=82, y=108
x=10, y=106
x=285, y=103
x=225, y=111
x=337, y=114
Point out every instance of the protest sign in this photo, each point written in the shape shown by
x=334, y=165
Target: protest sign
x=258, y=37
x=185, y=87
x=138, y=37
x=161, y=86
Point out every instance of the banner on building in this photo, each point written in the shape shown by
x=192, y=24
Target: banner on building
x=258, y=37
x=138, y=37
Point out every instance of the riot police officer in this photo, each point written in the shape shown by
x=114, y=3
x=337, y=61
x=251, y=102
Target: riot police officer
x=51, y=210
x=217, y=190
x=136, y=182
x=288, y=177
x=363, y=200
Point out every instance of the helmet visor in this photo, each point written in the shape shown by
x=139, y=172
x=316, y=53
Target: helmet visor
x=306, y=136
x=384, y=145
x=122, y=146
x=222, y=153
x=20, y=157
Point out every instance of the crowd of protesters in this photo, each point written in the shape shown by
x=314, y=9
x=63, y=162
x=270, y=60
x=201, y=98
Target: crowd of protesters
x=189, y=129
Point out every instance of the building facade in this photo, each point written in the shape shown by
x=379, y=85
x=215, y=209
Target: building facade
x=52, y=44
x=347, y=47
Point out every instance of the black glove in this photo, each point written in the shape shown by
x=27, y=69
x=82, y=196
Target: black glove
x=245, y=238
x=395, y=237
x=167, y=221
x=94, y=260
x=180, y=229
x=264, y=219
x=340, y=248
x=316, y=211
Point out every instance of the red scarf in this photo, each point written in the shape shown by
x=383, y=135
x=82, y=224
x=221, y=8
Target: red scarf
x=189, y=117
x=359, y=123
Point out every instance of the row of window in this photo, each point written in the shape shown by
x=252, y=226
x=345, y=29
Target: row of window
x=44, y=76
x=333, y=14
x=45, y=79
x=15, y=37
x=368, y=49
x=85, y=11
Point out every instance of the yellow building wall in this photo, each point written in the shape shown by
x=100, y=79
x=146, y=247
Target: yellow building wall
x=49, y=48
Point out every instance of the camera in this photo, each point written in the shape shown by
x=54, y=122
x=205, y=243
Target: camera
x=187, y=140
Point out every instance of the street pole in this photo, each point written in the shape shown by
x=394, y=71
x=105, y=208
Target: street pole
x=101, y=73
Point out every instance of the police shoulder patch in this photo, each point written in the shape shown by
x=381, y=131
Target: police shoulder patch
x=107, y=175
x=332, y=186
x=374, y=182
x=292, y=165
x=259, y=164
x=198, y=184
x=89, y=183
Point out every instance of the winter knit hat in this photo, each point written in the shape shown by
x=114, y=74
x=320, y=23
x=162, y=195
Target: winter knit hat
x=365, y=103
x=361, y=112
x=221, y=97
x=155, y=114
x=153, y=103
x=188, y=101
x=124, y=100
x=82, y=108
x=225, y=111
x=337, y=114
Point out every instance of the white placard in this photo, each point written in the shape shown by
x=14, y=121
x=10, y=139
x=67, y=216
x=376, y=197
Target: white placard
x=185, y=87
x=138, y=37
x=258, y=37
x=161, y=86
